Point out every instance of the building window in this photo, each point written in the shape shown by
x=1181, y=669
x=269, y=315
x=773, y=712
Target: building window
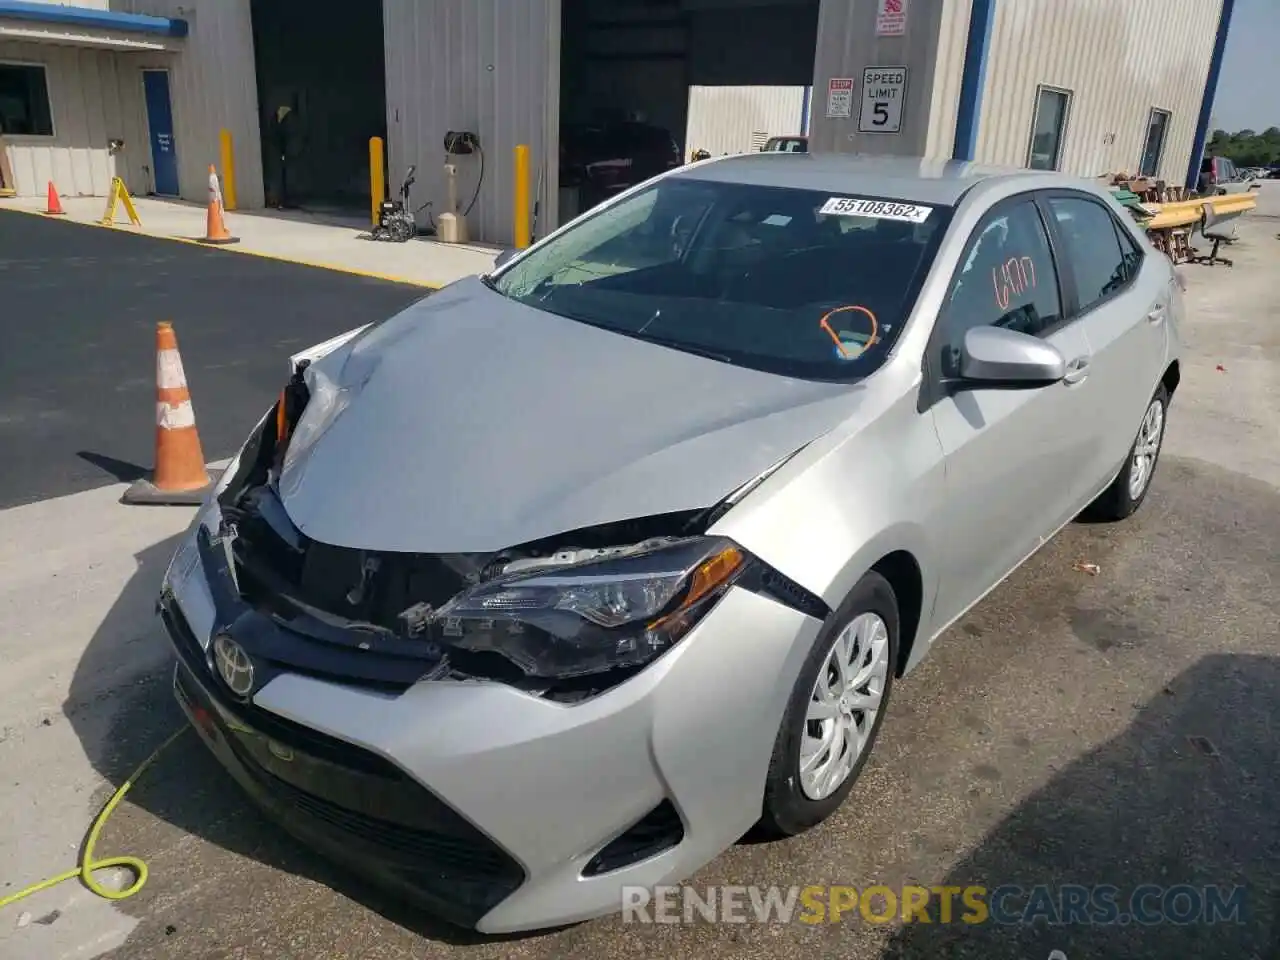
x=24, y=101
x=1052, y=106
x=1153, y=149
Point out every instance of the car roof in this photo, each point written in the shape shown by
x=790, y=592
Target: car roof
x=941, y=182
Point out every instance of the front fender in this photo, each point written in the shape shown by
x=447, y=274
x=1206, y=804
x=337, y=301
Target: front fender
x=846, y=501
x=320, y=350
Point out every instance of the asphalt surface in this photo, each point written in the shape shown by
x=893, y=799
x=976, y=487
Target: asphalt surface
x=1111, y=729
x=78, y=311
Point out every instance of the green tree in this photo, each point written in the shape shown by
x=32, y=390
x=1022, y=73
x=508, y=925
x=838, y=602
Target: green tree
x=1247, y=148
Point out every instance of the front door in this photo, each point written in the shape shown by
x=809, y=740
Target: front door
x=1015, y=459
x=164, y=152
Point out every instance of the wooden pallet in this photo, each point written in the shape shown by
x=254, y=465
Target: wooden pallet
x=1173, y=242
x=1148, y=189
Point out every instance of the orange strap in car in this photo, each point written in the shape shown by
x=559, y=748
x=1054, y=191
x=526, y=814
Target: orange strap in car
x=875, y=326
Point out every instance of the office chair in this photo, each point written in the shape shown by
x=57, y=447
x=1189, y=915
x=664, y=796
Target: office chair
x=1214, y=230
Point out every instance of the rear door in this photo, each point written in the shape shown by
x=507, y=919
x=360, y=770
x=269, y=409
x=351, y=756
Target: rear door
x=1014, y=458
x=1120, y=298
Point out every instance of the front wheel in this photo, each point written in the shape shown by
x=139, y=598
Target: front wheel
x=402, y=231
x=835, y=711
x=1126, y=493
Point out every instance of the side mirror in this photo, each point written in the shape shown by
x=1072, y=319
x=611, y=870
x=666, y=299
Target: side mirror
x=505, y=256
x=994, y=357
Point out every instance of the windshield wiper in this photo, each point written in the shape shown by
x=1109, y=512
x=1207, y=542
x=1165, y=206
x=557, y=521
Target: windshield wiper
x=679, y=345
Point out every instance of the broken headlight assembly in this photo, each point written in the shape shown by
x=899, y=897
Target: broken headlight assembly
x=618, y=612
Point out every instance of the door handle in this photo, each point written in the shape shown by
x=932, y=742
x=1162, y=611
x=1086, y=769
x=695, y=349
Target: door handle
x=1077, y=370
x=1156, y=315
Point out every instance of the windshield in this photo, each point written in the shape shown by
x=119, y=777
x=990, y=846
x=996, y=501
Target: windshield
x=796, y=282
x=786, y=145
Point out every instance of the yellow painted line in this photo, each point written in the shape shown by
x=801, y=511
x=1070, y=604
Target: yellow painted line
x=319, y=265
x=336, y=267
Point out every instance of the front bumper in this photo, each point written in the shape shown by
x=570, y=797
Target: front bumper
x=485, y=804
x=353, y=809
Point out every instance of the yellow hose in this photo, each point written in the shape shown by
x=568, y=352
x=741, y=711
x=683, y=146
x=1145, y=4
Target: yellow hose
x=88, y=865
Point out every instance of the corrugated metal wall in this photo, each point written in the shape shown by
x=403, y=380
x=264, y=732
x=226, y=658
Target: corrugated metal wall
x=953, y=39
x=213, y=85
x=489, y=66
x=847, y=43
x=1118, y=59
x=726, y=119
x=95, y=96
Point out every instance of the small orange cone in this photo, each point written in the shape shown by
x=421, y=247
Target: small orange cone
x=55, y=204
x=216, y=228
x=180, y=477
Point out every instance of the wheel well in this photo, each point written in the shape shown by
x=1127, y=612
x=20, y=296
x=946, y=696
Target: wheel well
x=1172, y=377
x=903, y=573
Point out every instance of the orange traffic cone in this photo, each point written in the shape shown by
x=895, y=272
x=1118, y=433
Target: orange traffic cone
x=216, y=228
x=180, y=477
x=55, y=204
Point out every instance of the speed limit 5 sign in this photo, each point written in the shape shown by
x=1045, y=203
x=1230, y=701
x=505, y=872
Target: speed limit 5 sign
x=883, y=90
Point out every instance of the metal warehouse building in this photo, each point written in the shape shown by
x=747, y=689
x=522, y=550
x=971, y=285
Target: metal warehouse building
x=142, y=88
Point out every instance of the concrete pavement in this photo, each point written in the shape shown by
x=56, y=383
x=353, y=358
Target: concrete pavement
x=1118, y=728
x=290, y=236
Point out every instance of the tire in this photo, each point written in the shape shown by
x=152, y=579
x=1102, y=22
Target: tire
x=402, y=231
x=790, y=806
x=1126, y=493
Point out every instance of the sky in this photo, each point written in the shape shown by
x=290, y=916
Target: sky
x=1246, y=96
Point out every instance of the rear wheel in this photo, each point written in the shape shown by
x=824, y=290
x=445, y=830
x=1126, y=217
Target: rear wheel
x=1129, y=489
x=835, y=711
x=403, y=230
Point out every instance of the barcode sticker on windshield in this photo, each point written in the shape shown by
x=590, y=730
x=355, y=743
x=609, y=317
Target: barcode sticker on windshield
x=875, y=209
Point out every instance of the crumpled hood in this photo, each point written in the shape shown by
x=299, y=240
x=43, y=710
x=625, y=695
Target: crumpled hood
x=480, y=424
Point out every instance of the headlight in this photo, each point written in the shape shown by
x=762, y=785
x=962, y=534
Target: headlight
x=183, y=561
x=326, y=402
x=619, y=612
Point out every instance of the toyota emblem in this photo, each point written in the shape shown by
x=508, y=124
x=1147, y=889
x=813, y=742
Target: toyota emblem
x=234, y=665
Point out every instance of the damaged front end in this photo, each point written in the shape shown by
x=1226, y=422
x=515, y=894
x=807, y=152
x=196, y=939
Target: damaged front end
x=564, y=618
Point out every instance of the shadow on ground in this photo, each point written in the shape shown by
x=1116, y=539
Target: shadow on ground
x=1190, y=789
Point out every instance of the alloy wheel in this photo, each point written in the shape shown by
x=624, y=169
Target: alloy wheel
x=843, y=706
x=1146, y=449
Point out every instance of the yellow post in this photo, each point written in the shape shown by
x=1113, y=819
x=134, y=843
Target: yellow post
x=521, y=202
x=377, y=178
x=228, y=171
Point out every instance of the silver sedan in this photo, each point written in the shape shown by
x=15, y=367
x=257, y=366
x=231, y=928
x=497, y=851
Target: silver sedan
x=561, y=580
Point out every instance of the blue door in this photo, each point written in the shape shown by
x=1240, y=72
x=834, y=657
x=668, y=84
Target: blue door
x=164, y=152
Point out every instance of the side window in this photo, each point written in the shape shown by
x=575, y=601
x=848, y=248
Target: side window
x=1007, y=279
x=1092, y=246
x=1130, y=252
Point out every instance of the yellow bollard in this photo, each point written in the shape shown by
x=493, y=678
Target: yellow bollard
x=521, y=202
x=377, y=178
x=228, y=171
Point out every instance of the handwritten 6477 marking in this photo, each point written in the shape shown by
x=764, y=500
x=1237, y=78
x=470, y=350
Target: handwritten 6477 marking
x=1014, y=277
